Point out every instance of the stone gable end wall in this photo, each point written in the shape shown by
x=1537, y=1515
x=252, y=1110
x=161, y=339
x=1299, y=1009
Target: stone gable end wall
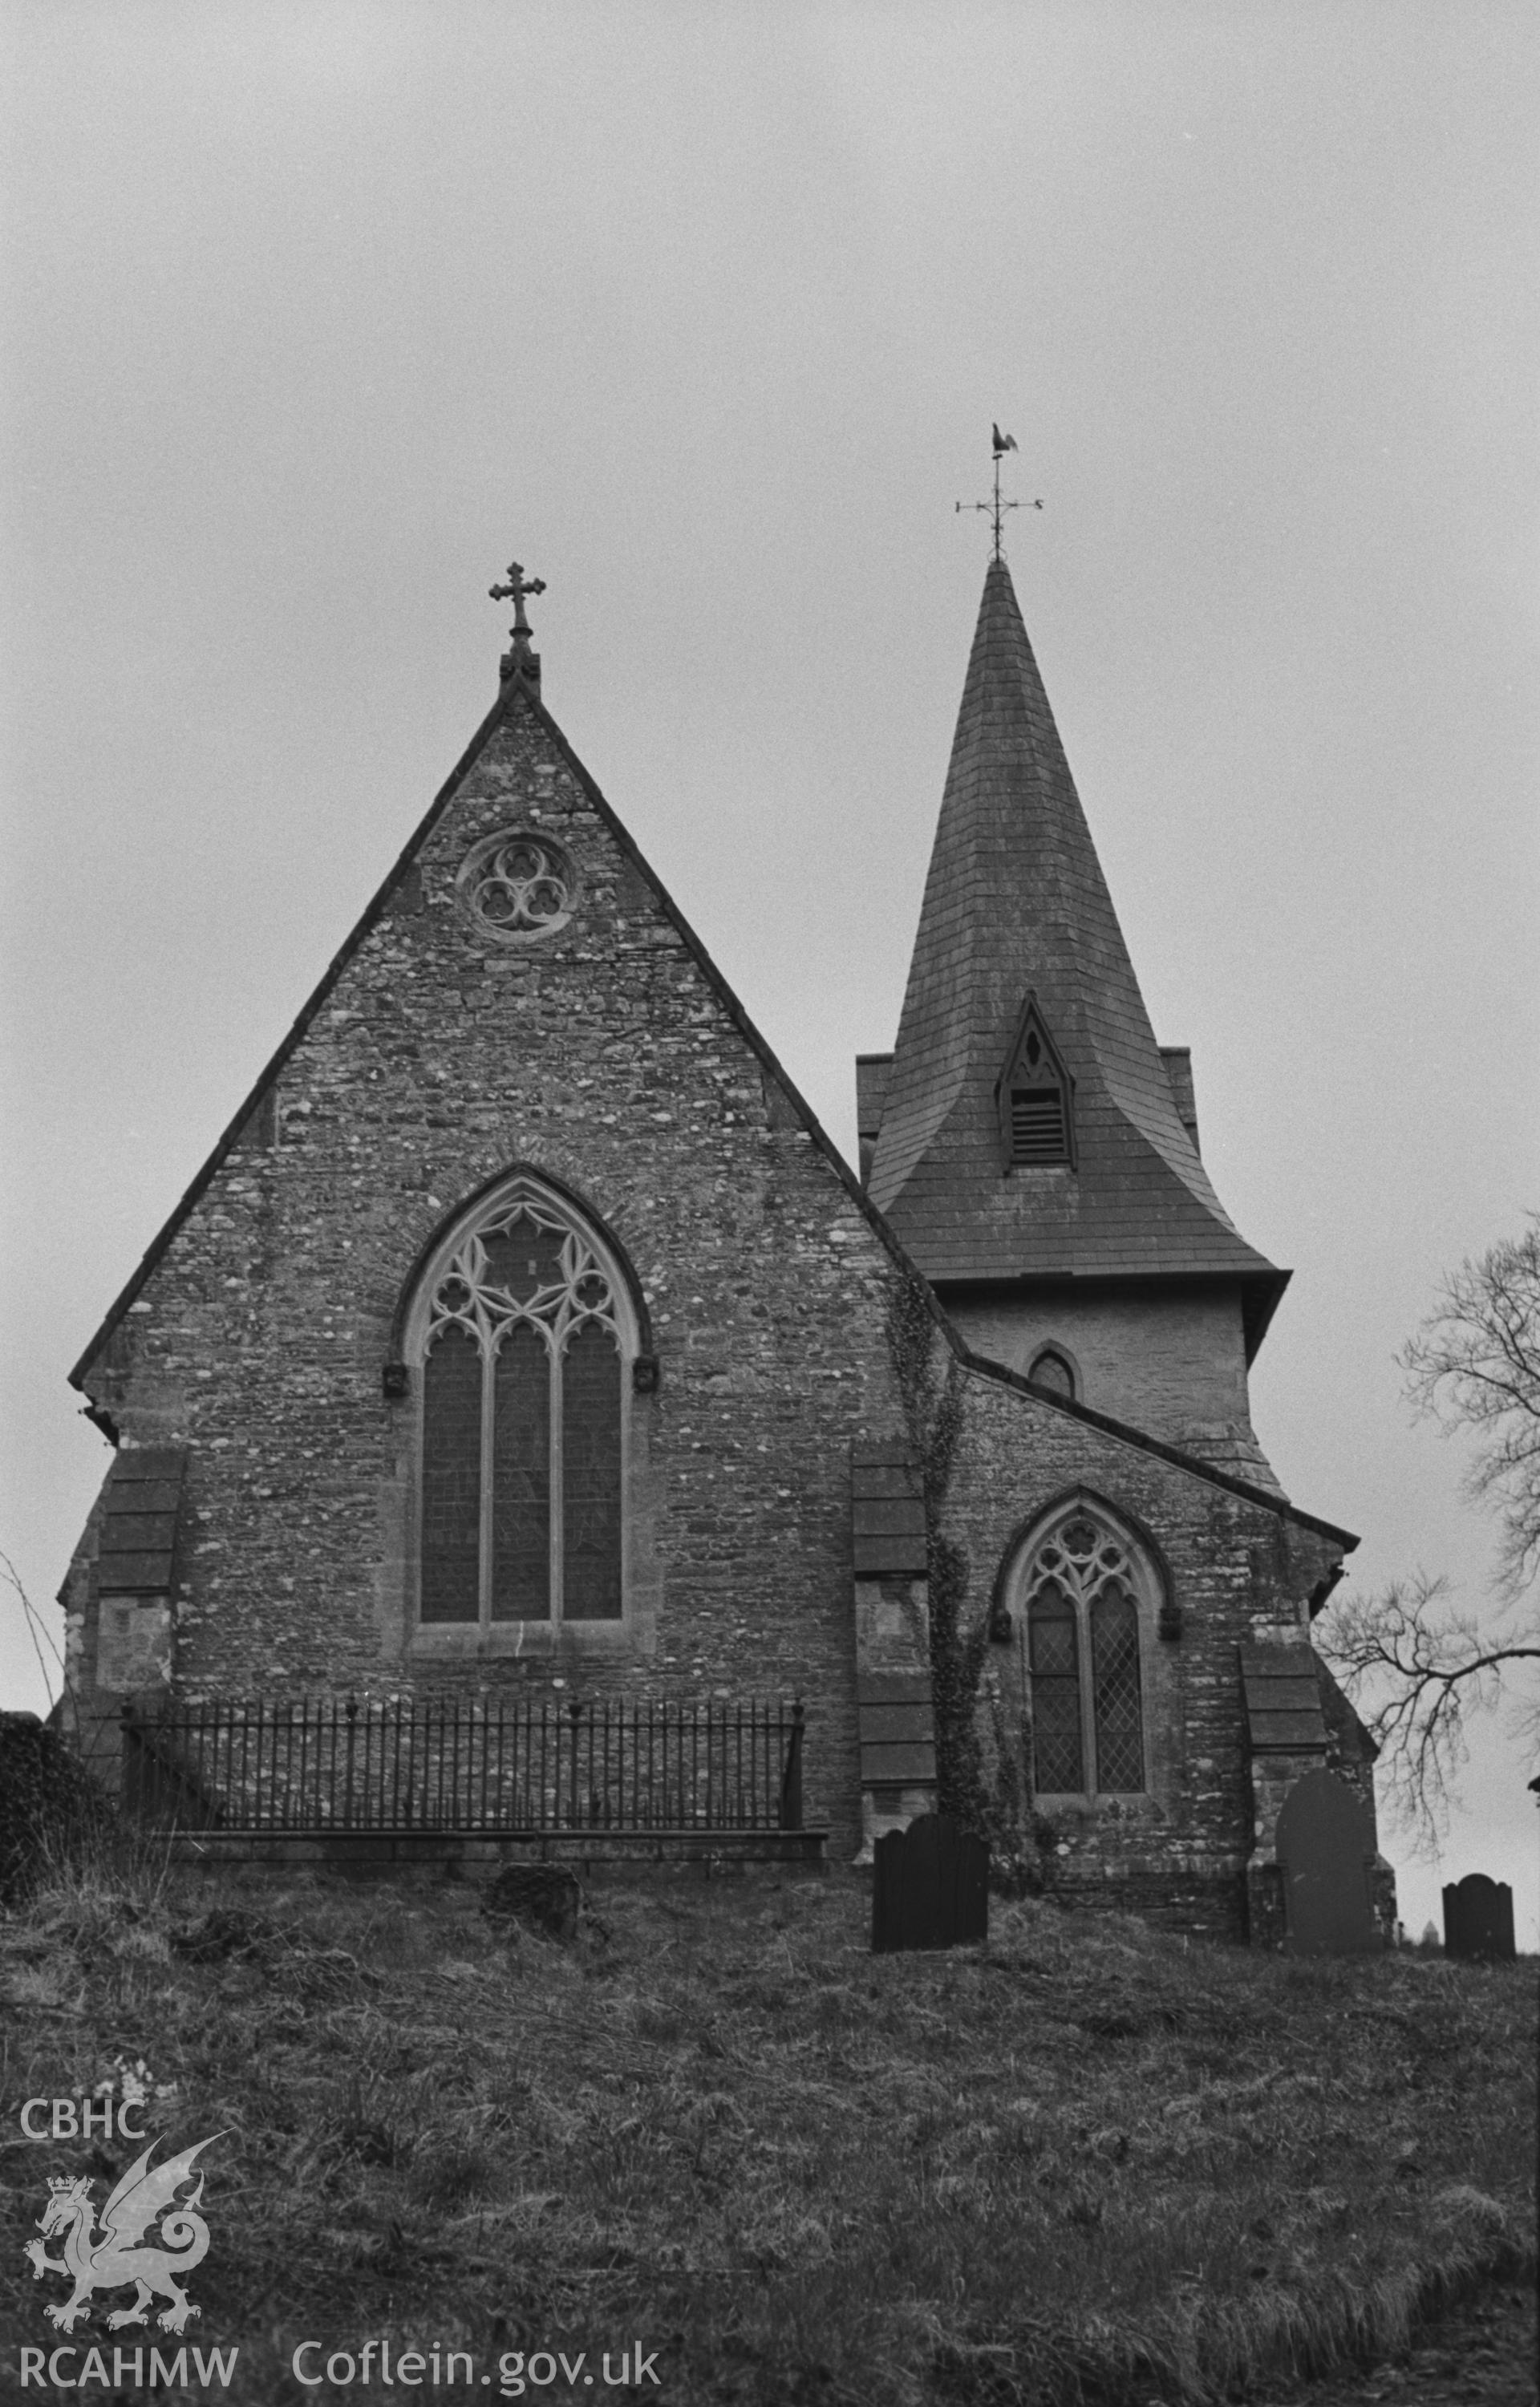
x=604, y=1058
x=1234, y=1572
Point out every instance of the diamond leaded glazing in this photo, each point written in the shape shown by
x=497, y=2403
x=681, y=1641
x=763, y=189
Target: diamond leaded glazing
x=1080, y=1609
x=1055, y=1656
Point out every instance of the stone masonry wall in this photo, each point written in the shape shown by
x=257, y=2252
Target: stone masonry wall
x=606, y=1057
x=1168, y=1356
x=1235, y=1571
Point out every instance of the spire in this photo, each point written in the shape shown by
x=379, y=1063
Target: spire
x=1017, y=924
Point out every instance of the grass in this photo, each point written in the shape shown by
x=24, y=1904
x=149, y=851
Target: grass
x=1086, y=2164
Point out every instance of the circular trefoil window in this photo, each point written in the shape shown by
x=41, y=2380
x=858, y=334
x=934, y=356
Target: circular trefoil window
x=519, y=884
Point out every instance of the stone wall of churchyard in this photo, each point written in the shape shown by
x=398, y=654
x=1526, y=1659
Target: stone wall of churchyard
x=604, y=1056
x=1234, y=1571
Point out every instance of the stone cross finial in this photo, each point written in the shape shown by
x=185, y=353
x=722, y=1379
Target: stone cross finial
x=514, y=591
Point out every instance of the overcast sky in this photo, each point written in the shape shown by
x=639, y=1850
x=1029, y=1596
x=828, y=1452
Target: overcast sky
x=319, y=314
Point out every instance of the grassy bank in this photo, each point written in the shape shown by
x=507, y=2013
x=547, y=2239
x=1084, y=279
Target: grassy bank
x=1086, y=2164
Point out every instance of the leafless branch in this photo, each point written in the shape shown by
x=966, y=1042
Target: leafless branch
x=37, y=1628
x=1475, y=1364
x=1414, y=1668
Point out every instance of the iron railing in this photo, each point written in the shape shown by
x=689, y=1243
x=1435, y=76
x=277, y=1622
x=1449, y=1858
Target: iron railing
x=435, y=1765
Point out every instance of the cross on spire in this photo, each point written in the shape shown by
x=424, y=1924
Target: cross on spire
x=521, y=658
x=997, y=507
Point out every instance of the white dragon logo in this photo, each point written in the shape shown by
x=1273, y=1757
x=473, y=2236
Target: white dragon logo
x=115, y=2258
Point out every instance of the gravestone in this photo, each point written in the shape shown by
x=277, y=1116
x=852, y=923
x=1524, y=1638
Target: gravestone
x=1478, y=1918
x=1325, y=1847
x=543, y=1897
x=48, y=1809
x=930, y=1886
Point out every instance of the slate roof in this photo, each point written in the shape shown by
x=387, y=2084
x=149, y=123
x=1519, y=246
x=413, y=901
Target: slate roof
x=138, y=1540
x=1015, y=899
x=1283, y=1700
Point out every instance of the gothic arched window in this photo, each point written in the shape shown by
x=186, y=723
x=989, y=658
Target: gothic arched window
x=1079, y=1589
x=1051, y=1371
x=525, y=1329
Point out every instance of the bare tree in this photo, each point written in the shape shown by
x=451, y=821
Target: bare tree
x=1413, y=1665
x=1474, y=1365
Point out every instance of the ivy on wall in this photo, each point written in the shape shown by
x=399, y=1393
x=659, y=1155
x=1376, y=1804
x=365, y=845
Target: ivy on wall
x=988, y=1797
x=930, y=1381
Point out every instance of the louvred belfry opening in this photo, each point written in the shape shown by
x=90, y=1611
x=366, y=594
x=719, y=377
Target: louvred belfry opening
x=1037, y=1131
x=1035, y=1092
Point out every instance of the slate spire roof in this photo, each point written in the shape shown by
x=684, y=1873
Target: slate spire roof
x=1014, y=900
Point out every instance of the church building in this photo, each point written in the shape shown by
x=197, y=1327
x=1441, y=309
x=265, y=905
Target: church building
x=525, y=1338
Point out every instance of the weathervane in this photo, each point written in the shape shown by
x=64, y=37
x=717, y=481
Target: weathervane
x=520, y=657
x=997, y=509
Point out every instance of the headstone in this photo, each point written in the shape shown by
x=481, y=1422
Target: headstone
x=543, y=1897
x=930, y=1886
x=223, y=1932
x=49, y=1811
x=1325, y=1846
x=1478, y=1918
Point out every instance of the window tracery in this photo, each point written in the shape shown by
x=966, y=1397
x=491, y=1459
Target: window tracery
x=1082, y=1589
x=519, y=884
x=524, y=1339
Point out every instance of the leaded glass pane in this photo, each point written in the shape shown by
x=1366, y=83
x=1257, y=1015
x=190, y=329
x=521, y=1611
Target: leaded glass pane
x=1054, y=1654
x=520, y=1495
x=591, y=1476
x=524, y=1289
x=523, y=1258
x=452, y=1479
x=1053, y=1631
x=1051, y=1371
x=1115, y=1658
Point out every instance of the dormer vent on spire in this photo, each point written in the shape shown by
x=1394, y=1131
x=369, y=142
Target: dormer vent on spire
x=1035, y=1097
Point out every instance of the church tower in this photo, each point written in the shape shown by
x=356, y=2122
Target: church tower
x=1034, y=1147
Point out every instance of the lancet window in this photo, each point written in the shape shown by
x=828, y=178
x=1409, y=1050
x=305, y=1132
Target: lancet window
x=1050, y=1370
x=1082, y=1586
x=526, y=1333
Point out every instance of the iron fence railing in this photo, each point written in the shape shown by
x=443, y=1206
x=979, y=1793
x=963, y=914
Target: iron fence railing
x=428, y=1764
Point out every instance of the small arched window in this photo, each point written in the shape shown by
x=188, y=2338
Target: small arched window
x=1080, y=1587
x=1050, y=1370
x=526, y=1330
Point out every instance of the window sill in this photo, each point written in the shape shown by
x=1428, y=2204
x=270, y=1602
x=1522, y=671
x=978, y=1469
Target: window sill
x=456, y=1640
x=1085, y=1802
